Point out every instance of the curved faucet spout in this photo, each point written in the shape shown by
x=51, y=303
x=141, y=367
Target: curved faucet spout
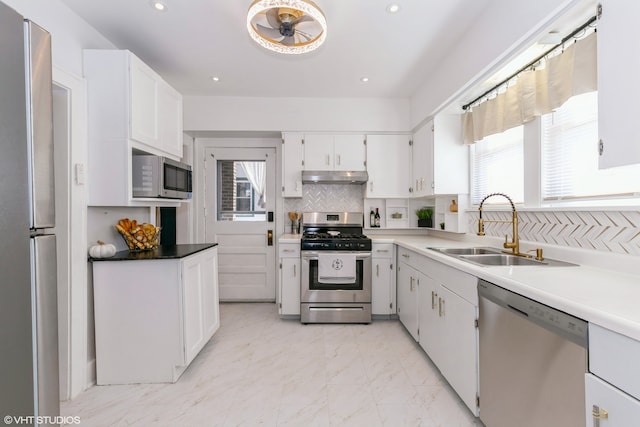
x=514, y=245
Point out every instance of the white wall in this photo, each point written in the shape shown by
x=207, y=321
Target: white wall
x=69, y=33
x=496, y=34
x=211, y=113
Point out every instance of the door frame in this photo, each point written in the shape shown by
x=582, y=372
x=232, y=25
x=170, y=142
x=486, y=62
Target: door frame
x=201, y=144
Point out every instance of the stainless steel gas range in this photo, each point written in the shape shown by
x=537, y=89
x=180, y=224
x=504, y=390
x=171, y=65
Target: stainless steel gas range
x=335, y=286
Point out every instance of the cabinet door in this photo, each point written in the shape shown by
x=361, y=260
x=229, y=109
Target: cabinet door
x=422, y=161
x=193, y=292
x=292, y=155
x=170, y=120
x=349, y=152
x=388, y=165
x=289, y=286
x=622, y=410
x=617, y=97
x=407, y=286
x=144, y=103
x=458, y=363
x=449, y=157
x=429, y=323
x=318, y=152
x=210, y=298
x=381, y=286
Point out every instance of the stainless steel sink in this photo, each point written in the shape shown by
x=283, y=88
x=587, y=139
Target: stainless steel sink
x=467, y=251
x=501, y=259
x=492, y=257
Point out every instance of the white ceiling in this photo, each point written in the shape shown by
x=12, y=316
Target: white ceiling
x=197, y=39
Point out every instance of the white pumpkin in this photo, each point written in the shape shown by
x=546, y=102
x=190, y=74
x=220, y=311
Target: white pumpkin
x=102, y=250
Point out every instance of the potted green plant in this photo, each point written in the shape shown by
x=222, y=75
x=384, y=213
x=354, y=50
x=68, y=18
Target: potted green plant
x=425, y=217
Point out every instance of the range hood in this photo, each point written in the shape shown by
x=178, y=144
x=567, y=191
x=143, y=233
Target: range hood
x=335, y=177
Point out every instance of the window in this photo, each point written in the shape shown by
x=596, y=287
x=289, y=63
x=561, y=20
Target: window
x=570, y=156
x=497, y=167
x=239, y=190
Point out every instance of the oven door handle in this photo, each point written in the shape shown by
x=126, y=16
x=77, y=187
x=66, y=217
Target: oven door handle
x=314, y=255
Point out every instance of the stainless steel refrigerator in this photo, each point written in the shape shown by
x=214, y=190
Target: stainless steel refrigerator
x=29, y=372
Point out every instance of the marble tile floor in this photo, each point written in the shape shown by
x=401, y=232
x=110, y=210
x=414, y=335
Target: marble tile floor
x=259, y=370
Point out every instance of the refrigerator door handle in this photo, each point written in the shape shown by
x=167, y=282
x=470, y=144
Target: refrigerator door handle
x=44, y=312
x=39, y=126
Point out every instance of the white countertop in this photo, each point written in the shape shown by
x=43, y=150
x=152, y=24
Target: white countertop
x=608, y=298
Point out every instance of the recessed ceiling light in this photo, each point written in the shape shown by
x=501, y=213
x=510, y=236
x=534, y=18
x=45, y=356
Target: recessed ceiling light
x=215, y=78
x=158, y=5
x=364, y=79
x=393, y=8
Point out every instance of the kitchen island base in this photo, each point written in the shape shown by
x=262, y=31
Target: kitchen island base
x=153, y=316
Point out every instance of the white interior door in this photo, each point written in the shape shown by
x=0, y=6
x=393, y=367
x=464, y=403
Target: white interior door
x=239, y=194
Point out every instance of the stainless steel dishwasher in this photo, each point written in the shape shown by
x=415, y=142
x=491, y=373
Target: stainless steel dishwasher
x=533, y=359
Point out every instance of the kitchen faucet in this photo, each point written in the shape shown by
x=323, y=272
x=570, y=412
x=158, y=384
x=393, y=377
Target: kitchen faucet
x=514, y=244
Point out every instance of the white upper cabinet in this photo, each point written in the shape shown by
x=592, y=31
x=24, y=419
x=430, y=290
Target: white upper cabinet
x=389, y=166
x=334, y=152
x=440, y=159
x=292, y=159
x=618, y=63
x=170, y=119
x=129, y=108
x=422, y=161
x=143, y=91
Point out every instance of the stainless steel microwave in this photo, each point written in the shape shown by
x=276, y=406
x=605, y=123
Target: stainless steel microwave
x=160, y=177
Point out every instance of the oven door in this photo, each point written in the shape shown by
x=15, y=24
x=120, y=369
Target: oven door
x=312, y=290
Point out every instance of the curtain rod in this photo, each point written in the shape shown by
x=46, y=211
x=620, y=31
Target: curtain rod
x=532, y=63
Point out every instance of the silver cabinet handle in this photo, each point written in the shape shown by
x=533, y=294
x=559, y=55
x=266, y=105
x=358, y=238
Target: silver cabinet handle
x=371, y=186
x=406, y=255
x=288, y=250
x=338, y=159
x=433, y=299
x=294, y=271
x=377, y=270
x=328, y=160
x=382, y=250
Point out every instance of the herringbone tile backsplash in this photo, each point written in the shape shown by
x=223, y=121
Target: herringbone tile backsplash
x=609, y=231
x=327, y=198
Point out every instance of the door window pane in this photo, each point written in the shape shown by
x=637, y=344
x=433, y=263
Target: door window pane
x=240, y=192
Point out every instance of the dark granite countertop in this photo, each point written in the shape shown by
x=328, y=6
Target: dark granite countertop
x=162, y=252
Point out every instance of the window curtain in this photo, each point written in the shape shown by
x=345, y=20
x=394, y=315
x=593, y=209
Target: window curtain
x=257, y=176
x=536, y=92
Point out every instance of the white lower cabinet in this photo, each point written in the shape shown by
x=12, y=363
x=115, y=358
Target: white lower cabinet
x=383, y=280
x=442, y=303
x=457, y=342
x=152, y=317
x=612, y=386
x=606, y=406
x=407, y=286
x=289, y=280
x=201, y=320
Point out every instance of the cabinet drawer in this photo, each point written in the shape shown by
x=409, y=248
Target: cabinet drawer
x=622, y=410
x=290, y=250
x=382, y=250
x=463, y=284
x=411, y=258
x=614, y=358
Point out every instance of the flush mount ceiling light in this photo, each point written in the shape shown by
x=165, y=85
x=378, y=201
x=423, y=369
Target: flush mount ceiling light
x=158, y=5
x=393, y=8
x=287, y=26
